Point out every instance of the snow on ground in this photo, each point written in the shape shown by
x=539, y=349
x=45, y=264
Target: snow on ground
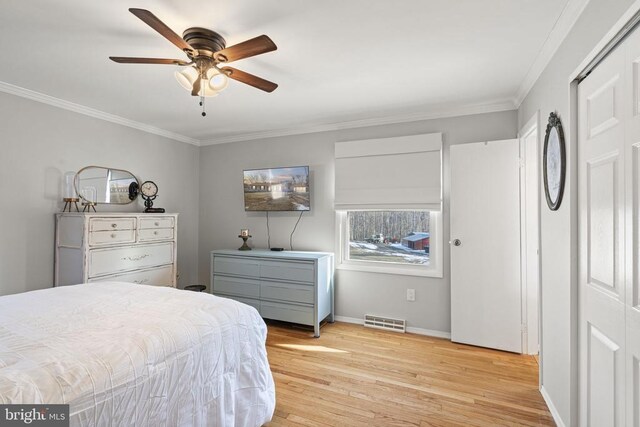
x=364, y=245
x=386, y=252
x=417, y=259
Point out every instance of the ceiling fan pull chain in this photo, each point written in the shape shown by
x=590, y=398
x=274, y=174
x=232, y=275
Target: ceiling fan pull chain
x=202, y=103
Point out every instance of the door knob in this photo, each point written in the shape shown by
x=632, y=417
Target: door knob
x=457, y=242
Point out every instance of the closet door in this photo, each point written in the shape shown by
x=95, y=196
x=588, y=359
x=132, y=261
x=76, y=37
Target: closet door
x=632, y=105
x=602, y=286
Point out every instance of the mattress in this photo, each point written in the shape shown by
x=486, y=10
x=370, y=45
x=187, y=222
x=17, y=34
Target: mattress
x=122, y=354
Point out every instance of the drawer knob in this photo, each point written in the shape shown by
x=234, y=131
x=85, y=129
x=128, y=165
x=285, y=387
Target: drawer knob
x=155, y=232
x=114, y=225
x=114, y=235
x=156, y=223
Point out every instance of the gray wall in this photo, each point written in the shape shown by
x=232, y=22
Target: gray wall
x=559, y=229
x=39, y=143
x=222, y=212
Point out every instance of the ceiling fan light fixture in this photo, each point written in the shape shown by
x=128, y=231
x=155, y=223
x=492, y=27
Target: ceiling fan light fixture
x=210, y=87
x=186, y=77
x=217, y=81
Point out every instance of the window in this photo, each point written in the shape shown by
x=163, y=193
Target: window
x=391, y=241
x=388, y=200
x=400, y=237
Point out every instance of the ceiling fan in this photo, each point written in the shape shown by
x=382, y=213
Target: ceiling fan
x=205, y=73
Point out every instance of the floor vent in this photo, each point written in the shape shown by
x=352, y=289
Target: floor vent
x=386, y=323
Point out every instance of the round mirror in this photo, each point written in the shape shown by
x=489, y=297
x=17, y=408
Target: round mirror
x=101, y=185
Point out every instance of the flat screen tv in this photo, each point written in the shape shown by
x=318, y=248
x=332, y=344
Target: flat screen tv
x=277, y=189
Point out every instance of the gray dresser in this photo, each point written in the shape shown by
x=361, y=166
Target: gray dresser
x=293, y=287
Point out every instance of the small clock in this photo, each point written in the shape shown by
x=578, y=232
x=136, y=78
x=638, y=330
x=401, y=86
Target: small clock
x=149, y=191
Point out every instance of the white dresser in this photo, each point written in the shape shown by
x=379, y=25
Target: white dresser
x=125, y=247
x=294, y=287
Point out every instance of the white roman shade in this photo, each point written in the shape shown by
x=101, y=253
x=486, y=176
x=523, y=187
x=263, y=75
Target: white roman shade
x=390, y=173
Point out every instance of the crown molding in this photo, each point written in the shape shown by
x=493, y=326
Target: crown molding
x=91, y=112
x=499, y=105
x=565, y=22
x=495, y=106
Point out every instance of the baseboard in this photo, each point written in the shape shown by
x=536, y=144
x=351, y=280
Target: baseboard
x=349, y=320
x=419, y=331
x=429, y=332
x=552, y=408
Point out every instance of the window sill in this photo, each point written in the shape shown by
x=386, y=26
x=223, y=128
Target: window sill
x=400, y=270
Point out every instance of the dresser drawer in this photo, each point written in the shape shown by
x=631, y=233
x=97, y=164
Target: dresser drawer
x=286, y=312
x=236, y=286
x=294, y=271
x=156, y=222
x=104, y=224
x=115, y=260
x=97, y=238
x=161, y=276
x=286, y=292
x=236, y=266
x=149, y=234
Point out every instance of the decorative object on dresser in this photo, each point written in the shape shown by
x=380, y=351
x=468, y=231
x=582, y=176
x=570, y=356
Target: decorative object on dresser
x=69, y=195
x=149, y=191
x=244, y=235
x=102, y=185
x=88, y=207
x=68, y=204
x=293, y=287
x=123, y=247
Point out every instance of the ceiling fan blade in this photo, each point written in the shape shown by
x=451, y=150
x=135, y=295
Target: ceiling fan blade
x=196, y=86
x=250, y=79
x=253, y=47
x=129, y=60
x=151, y=20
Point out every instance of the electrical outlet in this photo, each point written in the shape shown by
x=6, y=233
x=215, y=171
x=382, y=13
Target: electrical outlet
x=411, y=294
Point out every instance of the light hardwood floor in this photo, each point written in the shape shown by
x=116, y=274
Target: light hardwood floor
x=356, y=376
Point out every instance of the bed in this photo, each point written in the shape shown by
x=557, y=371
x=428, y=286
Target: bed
x=122, y=354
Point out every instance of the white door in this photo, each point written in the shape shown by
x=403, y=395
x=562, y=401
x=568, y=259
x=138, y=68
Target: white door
x=530, y=217
x=485, y=249
x=602, y=273
x=632, y=153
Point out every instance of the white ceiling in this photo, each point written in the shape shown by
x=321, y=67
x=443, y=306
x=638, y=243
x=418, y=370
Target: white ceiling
x=337, y=61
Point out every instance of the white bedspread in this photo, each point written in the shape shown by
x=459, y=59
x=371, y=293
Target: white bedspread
x=123, y=354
